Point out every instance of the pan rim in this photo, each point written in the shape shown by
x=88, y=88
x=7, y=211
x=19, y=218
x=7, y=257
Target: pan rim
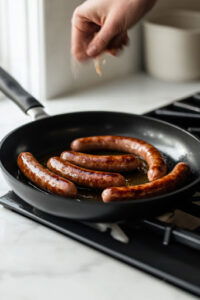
x=85, y=201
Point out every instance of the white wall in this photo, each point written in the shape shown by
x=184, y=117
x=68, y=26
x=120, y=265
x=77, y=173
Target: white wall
x=36, y=43
x=58, y=75
x=19, y=37
x=16, y=39
x=35, y=46
x=3, y=37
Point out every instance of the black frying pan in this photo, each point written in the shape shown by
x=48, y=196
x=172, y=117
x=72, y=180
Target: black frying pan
x=50, y=134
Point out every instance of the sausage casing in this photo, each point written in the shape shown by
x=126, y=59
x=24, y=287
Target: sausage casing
x=85, y=177
x=160, y=186
x=115, y=163
x=44, y=178
x=155, y=161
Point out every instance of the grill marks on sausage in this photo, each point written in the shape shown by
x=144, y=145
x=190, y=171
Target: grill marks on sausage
x=160, y=186
x=116, y=163
x=155, y=161
x=85, y=177
x=44, y=178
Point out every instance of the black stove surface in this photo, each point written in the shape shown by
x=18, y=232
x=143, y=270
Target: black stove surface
x=165, y=247
x=172, y=262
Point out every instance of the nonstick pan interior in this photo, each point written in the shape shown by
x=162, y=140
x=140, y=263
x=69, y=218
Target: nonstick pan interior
x=55, y=134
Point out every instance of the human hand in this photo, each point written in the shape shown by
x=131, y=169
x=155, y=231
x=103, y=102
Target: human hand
x=101, y=25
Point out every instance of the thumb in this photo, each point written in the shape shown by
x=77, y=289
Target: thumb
x=102, y=39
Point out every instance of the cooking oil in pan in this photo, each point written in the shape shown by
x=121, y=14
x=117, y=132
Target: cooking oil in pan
x=132, y=178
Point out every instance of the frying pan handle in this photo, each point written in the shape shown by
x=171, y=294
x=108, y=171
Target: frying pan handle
x=13, y=90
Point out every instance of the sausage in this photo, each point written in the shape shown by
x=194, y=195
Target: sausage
x=116, y=163
x=156, y=164
x=85, y=177
x=160, y=186
x=43, y=178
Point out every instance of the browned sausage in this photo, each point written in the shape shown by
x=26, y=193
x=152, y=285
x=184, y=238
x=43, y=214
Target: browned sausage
x=85, y=177
x=157, y=166
x=160, y=186
x=43, y=178
x=116, y=163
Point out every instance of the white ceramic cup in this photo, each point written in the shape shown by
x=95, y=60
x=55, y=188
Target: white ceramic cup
x=172, y=45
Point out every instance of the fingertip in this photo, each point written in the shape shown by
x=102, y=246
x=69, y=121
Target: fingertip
x=79, y=56
x=92, y=51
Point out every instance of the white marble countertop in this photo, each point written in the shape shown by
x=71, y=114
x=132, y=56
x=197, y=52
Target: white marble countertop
x=38, y=263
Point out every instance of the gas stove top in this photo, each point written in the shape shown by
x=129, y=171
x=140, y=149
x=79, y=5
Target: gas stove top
x=167, y=246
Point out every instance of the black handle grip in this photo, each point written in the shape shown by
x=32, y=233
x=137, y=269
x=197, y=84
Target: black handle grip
x=13, y=90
